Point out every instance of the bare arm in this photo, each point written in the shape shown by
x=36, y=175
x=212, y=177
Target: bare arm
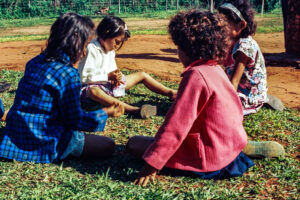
x=241, y=60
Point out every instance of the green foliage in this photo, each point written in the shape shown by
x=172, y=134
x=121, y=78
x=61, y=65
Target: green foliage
x=11, y=9
x=112, y=178
x=269, y=23
x=269, y=5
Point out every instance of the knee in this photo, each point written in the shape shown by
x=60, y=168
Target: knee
x=93, y=91
x=131, y=144
x=109, y=146
x=143, y=75
x=137, y=145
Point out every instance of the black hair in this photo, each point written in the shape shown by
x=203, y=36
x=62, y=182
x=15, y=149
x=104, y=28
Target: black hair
x=247, y=12
x=112, y=26
x=200, y=35
x=69, y=33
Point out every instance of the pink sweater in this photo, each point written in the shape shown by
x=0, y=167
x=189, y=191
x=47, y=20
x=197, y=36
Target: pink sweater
x=203, y=130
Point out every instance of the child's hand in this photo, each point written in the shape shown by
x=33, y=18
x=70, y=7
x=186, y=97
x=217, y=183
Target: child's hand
x=147, y=173
x=115, y=77
x=114, y=110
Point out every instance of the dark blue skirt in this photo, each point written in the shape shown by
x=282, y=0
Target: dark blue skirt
x=236, y=168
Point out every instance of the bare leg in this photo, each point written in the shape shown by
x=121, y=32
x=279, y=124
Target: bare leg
x=100, y=96
x=4, y=116
x=137, y=145
x=96, y=146
x=150, y=83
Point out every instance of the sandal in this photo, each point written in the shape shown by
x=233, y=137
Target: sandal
x=275, y=103
x=4, y=86
x=148, y=111
x=264, y=149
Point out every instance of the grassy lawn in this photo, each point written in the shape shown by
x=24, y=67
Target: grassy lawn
x=148, y=23
x=112, y=178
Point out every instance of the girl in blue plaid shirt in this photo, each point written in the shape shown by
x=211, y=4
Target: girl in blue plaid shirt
x=45, y=120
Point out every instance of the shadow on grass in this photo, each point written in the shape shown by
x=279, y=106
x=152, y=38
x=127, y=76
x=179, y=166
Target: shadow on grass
x=121, y=166
x=162, y=105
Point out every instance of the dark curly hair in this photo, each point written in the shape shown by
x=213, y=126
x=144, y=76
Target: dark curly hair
x=200, y=35
x=112, y=26
x=247, y=12
x=69, y=34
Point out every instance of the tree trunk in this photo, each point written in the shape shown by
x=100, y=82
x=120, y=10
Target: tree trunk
x=211, y=7
x=56, y=4
x=29, y=8
x=291, y=18
x=262, y=8
x=119, y=4
x=166, y=5
x=177, y=4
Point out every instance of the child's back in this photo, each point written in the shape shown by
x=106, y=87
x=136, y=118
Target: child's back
x=46, y=112
x=203, y=130
x=210, y=128
x=45, y=120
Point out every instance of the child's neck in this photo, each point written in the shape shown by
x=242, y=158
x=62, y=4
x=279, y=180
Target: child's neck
x=101, y=44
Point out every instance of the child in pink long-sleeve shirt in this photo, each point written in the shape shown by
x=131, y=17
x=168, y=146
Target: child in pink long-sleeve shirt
x=203, y=130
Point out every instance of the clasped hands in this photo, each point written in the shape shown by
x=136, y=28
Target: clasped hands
x=115, y=77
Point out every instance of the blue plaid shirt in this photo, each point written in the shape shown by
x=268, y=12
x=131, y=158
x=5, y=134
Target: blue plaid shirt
x=46, y=112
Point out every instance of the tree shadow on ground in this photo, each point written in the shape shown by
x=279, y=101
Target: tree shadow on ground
x=169, y=50
x=150, y=56
x=282, y=59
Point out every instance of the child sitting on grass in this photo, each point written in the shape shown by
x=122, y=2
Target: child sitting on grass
x=203, y=130
x=45, y=121
x=101, y=79
x=245, y=64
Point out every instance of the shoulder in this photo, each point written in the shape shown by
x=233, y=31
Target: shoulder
x=94, y=45
x=248, y=46
x=247, y=42
x=196, y=76
x=63, y=73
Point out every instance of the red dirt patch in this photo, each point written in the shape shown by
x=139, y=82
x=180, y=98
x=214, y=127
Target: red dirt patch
x=157, y=54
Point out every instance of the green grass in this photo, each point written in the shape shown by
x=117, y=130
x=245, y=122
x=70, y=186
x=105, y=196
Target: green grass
x=268, y=24
x=44, y=21
x=112, y=178
x=23, y=38
x=27, y=22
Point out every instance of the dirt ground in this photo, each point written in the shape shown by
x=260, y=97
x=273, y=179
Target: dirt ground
x=156, y=54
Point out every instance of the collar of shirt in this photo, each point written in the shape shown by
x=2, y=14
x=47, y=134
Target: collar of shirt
x=97, y=45
x=62, y=57
x=197, y=63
